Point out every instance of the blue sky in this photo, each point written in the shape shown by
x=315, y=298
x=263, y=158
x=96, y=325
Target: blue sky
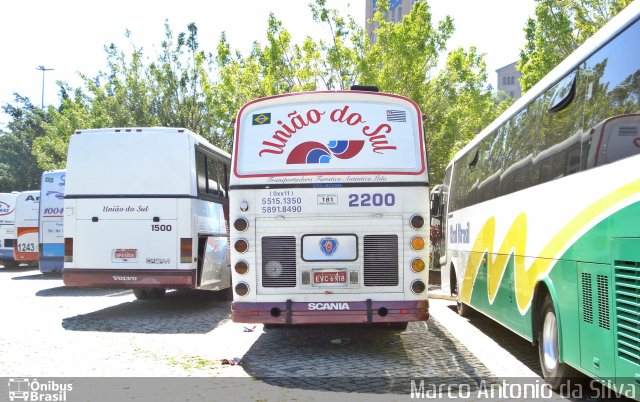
x=69, y=35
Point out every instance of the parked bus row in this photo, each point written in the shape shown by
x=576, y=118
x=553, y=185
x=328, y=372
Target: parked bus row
x=326, y=227
x=327, y=194
x=539, y=215
x=31, y=225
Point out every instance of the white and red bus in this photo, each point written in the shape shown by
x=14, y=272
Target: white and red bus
x=26, y=227
x=7, y=227
x=329, y=199
x=146, y=209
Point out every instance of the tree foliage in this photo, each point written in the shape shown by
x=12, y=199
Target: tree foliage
x=18, y=168
x=558, y=28
x=182, y=85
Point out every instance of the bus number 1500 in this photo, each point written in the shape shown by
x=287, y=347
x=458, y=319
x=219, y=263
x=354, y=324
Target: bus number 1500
x=368, y=200
x=161, y=228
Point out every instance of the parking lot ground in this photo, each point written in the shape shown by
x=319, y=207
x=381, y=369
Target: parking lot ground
x=185, y=347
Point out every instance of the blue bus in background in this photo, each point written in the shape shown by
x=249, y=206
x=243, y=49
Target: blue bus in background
x=51, y=232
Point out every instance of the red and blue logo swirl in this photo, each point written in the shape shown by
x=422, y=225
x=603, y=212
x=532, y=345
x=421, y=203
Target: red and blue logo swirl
x=315, y=152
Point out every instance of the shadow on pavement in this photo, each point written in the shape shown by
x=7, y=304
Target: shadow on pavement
x=67, y=291
x=519, y=347
x=39, y=277
x=17, y=270
x=180, y=312
x=372, y=360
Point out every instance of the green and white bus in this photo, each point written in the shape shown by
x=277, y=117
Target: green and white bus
x=542, y=214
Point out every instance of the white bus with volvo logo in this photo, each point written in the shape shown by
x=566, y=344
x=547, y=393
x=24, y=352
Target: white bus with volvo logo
x=329, y=199
x=146, y=209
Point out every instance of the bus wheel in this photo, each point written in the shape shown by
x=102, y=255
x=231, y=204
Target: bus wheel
x=463, y=310
x=156, y=293
x=554, y=371
x=140, y=294
x=402, y=326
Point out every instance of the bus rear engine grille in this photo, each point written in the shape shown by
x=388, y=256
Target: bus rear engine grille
x=381, y=260
x=279, y=262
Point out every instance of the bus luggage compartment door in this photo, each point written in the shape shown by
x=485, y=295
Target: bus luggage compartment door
x=126, y=244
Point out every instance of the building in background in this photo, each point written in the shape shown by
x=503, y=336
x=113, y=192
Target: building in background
x=397, y=10
x=509, y=81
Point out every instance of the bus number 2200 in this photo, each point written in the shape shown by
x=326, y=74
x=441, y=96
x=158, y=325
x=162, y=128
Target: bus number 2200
x=368, y=200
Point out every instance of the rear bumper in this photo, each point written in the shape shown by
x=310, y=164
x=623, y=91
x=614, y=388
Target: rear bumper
x=330, y=312
x=51, y=264
x=130, y=278
x=6, y=254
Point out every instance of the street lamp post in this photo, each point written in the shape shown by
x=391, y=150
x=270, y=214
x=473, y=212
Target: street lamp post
x=43, y=69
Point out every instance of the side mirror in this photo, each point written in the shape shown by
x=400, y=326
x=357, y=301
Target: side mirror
x=434, y=208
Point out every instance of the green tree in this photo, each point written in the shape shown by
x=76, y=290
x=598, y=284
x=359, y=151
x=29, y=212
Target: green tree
x=18, y=168
x=456, y=101
x=185, y=86
x=172, y=90
x=558, y=28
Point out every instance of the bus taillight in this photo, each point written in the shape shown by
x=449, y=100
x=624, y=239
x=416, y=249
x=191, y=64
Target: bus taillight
x=241, y=267
x=417, y=265
x=241, y=246
x=417, y=221
x=241, y=224
x=68, y=249
x=418, y=286
x=242, y=289
x=417, y=243
x=186, y=250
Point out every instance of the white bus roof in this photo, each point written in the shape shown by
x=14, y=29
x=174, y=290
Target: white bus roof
x=133, y=161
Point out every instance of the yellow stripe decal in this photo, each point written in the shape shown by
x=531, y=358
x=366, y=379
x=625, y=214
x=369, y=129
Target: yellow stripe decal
x=515, y=243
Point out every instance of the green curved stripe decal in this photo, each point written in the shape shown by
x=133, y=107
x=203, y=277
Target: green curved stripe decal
x=515, y=243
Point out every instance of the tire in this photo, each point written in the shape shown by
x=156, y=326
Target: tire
x=464, y=310
x=554, y=371
x=140, y=294
x=402, y=326
x=156, y=293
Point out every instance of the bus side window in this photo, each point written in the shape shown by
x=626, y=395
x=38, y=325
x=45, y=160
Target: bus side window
x=201, y=171
x=223, y=178
x=212, y=176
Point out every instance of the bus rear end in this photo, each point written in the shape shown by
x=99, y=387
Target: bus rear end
x=128, y=210
x=329, y=199
x=26, y=227
x=7, y=227
x=51, y=223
